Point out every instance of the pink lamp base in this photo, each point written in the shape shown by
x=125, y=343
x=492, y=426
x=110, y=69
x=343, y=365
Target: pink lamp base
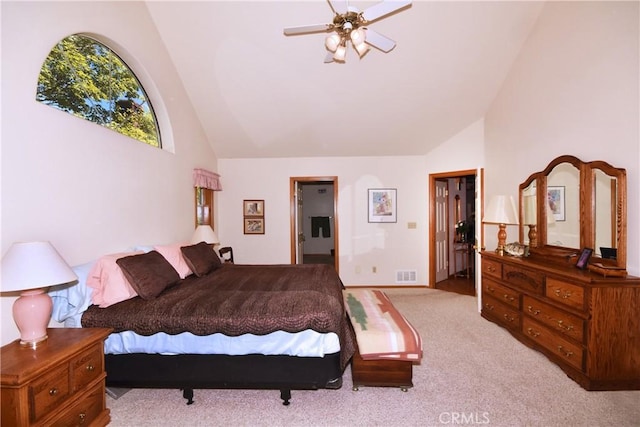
x=31, y=312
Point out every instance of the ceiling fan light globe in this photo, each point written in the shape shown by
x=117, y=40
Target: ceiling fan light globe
x=332, y=42
x=361, y=48
x=341, y=53
x=358, y=36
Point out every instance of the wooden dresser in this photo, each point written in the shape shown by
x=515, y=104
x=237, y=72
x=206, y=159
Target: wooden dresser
x=61, y=383
x=587, y=324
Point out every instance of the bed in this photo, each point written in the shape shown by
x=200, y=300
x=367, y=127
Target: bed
x=184, y=333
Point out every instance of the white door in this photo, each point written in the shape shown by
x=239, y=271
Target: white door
x=441, y=238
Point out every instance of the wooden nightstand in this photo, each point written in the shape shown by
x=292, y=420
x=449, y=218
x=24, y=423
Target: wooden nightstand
x=61, y=383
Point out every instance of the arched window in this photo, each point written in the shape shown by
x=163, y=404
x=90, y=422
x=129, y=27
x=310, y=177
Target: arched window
x=87, y=79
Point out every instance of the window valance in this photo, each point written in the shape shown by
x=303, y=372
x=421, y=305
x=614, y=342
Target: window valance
x=206, y=179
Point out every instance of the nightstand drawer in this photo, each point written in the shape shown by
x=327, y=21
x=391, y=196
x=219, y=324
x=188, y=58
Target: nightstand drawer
x=85, y=410
x=502, y=293
x=49, y=391
x=87, y=367
x=565, y=293
x=567, y=324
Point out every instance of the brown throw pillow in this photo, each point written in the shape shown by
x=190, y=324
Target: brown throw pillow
x=149, y=274
x=201, y=258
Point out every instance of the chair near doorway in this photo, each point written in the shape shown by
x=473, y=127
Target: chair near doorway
x=226, y=254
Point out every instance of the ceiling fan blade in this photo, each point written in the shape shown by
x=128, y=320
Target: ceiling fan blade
x=383, y=8
x=305, y=29
x=338, y=6
x=379, y=41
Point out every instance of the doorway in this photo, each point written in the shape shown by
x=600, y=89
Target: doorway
x=314, y=220
x=452, y=224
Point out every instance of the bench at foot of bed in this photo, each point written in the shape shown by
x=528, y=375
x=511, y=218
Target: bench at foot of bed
x=381, y=373
x=387, y=344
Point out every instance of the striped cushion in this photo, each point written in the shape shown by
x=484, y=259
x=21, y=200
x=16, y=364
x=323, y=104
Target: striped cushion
x=381, y=331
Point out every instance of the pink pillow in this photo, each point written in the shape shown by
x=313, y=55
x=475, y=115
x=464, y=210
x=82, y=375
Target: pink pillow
x=108, y=282
x=173, y=254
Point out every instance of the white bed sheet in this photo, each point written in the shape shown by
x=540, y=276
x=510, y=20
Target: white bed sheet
x=307, y=343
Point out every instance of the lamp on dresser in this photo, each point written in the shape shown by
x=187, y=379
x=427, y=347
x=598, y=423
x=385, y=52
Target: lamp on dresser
x=32, y=267
x=502, y=211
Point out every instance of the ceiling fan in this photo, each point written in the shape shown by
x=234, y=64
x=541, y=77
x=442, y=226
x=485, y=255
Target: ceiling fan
x=350, y=25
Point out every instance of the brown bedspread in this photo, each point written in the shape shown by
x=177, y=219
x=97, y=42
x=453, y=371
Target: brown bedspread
x=239, y=299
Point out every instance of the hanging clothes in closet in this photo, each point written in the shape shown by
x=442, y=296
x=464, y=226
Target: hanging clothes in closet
x=318, y=223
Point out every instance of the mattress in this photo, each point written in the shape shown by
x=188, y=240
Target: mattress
x=307, y=343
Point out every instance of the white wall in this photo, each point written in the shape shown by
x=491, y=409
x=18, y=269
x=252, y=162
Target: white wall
x=362, y=245
x=85, y=188
x=573, y=90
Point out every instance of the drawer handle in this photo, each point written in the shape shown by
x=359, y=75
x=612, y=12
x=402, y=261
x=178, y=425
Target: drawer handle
x=82, y=417
x=565, y=296
x=90, y=368
x=490, y=289
x=533, y=333
x=53, y=391
x=532, y=311
x=508, y=319
x=508, y=298
x=489, y=306
x=491, y=268
x=566, y=353
x=562, y=326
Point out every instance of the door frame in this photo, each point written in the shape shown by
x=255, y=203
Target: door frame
x=293, y=185
x=432, y=215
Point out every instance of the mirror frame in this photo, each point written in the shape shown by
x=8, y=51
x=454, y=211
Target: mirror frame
x=586, y=208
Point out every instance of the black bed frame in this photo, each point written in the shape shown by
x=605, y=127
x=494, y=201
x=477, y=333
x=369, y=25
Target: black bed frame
x=204, y=371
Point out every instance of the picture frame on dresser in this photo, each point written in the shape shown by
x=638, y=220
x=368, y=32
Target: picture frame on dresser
x=583, y=259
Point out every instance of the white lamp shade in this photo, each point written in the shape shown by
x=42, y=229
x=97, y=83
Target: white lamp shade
x=33, y=265
x=501, y=210
x=204, y=233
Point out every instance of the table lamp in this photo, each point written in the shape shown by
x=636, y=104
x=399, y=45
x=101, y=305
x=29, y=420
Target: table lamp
x=204, y=233
x=31, y=267
x=502, y=211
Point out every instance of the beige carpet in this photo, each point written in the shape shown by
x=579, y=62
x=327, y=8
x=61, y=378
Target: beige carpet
x=472, y=373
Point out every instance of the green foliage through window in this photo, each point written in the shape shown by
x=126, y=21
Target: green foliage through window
x=87, y=79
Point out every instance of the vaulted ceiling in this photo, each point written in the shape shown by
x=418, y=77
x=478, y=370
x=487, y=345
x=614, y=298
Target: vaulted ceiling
x=259, y=93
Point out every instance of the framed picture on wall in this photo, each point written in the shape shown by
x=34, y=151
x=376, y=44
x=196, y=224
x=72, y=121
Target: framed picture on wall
x=382, y=204
x=253, y=225
x=253, y=207
x=555, y=198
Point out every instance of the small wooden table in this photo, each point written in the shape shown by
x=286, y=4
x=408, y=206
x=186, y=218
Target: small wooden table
x=60, y=383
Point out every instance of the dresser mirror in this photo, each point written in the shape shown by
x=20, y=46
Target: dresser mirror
x=571, y=205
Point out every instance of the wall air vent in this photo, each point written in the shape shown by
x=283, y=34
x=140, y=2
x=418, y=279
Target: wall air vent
x=406, y=276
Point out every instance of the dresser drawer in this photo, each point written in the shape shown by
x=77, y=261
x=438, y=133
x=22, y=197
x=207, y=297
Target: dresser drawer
x=565, y=293
x=570, y=353
x=500, y=292
x=85, y=410
x=558, y=320
x=87, y=366
x=49, y=391
x=531, y=281
x=491, y=268
x=501, y=313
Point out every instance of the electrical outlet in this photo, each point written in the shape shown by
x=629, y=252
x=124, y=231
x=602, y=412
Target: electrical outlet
x=358, y=269
x=374, y=269
x=412, y=225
